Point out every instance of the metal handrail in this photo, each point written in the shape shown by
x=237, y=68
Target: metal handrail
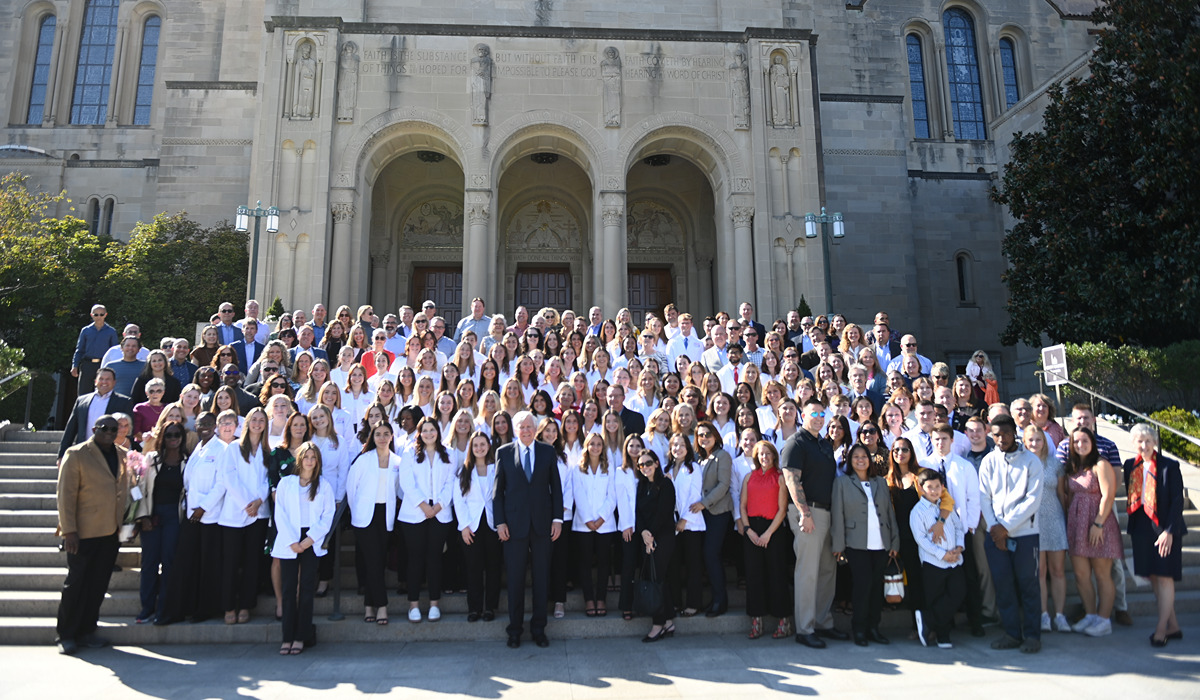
x=1118, y=404
x=14, y=375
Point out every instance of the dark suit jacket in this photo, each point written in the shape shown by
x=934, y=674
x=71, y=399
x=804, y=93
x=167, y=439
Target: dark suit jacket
x=239, y=348
x=762, y=332
x=317, y=353
x=875, y=397
x=73, y=433
x=527, y=506
x=1170, y=497
x=634, y=422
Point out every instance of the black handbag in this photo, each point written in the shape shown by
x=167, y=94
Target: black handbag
x=647, y=591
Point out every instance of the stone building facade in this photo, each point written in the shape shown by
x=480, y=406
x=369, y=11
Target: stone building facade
x=527, y=151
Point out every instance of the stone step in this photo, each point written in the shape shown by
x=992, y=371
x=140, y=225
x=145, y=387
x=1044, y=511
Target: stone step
x=44, y=556
x=28, y=447
x=47, y=436
x=38, y=486
x=46, y=517
x=46, y=471
x=47, y=502
x=28, y=537
x=16, y=459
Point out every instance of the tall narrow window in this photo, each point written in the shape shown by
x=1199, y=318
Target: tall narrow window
x=916, y=86
x=962, y=65
x=94, y=217
x=41, y=71
x=966, y=287
x=109, y=205
x=89, y=104
x=1008, y=63
x=149, y=59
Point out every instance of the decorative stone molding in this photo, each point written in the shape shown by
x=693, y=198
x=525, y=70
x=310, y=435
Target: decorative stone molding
x=419, y=120
x=612, y=216
x=742, y=216
x=689, y=127
x=343, y=212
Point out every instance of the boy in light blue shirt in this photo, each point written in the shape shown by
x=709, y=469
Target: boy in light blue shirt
x=941, y=562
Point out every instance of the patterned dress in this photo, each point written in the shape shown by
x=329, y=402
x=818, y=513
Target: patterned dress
x=1052, y=522
x=1085, y=503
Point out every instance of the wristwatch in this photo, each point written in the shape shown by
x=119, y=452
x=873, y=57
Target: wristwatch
x=1099, y=525
x=940, y=519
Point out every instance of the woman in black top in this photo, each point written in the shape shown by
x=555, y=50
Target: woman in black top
x=157, y=365
x=655, y=525
x=158, y=518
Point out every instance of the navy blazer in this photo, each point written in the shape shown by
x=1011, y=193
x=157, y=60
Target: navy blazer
x=239, y=349
x=316, y=352
x=873, y=396
x=73, y=432
x=527, y=506
x=1170, y=497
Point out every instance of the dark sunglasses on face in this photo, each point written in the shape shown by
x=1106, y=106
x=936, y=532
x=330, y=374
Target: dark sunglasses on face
x=105, y=429
x=232, y=373
x=870, y=431
x=901, y=449
x=278, y=386
x=646, y=463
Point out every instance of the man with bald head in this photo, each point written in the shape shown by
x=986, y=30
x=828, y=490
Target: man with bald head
x=528, y=512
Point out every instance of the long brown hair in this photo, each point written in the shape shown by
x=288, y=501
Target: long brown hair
x=464, y=474
x=315, y=483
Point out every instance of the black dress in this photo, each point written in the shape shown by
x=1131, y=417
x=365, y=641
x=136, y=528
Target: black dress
x=655, y=511
x=1143, y=533
x=903, y=501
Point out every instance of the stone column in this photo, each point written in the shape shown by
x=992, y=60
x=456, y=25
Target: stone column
x=340, y=271
x=476, y=259
x=613, y=285
x=54, y=79
x=379, y=268
x=114, y=85
x=743, y=219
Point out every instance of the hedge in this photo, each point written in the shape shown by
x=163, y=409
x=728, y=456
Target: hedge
x=1146, y=379
x=1185, y=422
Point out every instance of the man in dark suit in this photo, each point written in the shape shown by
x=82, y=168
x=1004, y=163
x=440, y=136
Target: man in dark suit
x=89, y=407
x=746, y=313
x=858, y=387
x=633, y=422
x=528, y=511
x=306, y=342
x=248, y=349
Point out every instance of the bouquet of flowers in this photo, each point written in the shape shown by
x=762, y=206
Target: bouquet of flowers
x=136, y=465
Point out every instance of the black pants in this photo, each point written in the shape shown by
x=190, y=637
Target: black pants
x=194, y=584
x=518, y=553
x=299, y=579
x=241, y=554
x=483, y=564
x=866, y=569
x=664, y=551
x=629, y=561
x=88, y=573
x=944, y=591
x=594, y=547
x=974, y=593
x=425, y=542
x=687, y=569
x=87, y=375
x=371, y=543
x=767, y=573
x=716, y=527
x=561, y=556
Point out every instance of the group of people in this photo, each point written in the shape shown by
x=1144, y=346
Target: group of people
x=596, y=453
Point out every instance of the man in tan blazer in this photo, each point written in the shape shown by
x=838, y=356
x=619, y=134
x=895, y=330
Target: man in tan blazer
x=93, y=489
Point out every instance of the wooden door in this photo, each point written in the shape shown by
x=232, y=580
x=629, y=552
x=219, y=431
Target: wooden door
x=650, y=289
x=539, y=287
x=444, y=286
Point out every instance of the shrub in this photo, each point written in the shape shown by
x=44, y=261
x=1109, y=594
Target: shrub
x=1184, y=422
x=1145, y=379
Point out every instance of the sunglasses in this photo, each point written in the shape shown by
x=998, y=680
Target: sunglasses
x=646, y=463
x=820, y=414
x=226, y=311
x=901, y=449
x=279, y=386
x=869, y=432
x=105, y=429
x=232, y=373
x=225, y=354
x=154, y=391
x=173, y=436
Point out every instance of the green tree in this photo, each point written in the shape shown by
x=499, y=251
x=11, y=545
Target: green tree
x=48, y=270
x=171, y=274
x=276, y=309
x=1107, y=195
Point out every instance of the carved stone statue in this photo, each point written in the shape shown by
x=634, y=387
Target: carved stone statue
x=781, y=92
x=304, y=90
x=347, y=90
x=740, y=87
x=610, y=75
x=481, y=84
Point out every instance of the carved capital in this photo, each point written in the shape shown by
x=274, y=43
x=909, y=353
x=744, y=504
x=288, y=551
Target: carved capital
x=613, y=216
x=742, y=216
x=380, y=258
x=478, y=213
x=343, y=213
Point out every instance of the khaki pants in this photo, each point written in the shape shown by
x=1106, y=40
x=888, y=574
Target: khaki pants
x=987, y=587
x=816, y=571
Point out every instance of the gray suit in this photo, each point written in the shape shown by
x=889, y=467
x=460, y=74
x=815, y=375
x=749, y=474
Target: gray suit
x=849, y=514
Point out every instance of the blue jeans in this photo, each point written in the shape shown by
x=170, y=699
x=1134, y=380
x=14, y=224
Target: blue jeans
x=158, y=547
x=1018, y=596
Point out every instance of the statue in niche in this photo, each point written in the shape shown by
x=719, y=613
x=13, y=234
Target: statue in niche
x=348, y=83
x=304, y=89
x=481, y=84
x=781, y=92
x=610, y=75
x=740, y=87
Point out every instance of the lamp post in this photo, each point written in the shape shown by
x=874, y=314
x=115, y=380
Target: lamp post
x=839, y=230
x=242, y=225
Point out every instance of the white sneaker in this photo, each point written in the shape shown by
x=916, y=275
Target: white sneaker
x=435, y=613
x=1062, y=623
x=1086, y=622
x=1102, y=627
x=921, y=628
x=945, y=645
x=414, y=614
x=1046, y=622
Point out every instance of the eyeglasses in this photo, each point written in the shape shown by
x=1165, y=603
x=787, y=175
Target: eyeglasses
x=344, y=314
x=901, y=449
x=751, y=334
x=226, y=311
x=154, y=391
x=869, y=431
x=232, y=373
x=646, y=463
x=422, y=322
x=277, y=385
x=910, y=345
x=225, y=354
x=105, y=429
x=270, y=370
x=819, y=414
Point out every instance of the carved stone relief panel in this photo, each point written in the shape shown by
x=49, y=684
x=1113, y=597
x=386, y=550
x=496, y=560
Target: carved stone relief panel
x=436, y=223
x=651, y=225
x=543, y=225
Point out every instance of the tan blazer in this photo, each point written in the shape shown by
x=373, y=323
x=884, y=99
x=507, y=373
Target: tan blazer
x=848, y=514
x=91, y=501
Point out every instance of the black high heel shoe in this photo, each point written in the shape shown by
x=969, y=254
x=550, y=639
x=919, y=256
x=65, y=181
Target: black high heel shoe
x=662, y=633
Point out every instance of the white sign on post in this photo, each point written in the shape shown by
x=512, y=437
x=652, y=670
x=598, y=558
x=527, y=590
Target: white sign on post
x=1054, y=364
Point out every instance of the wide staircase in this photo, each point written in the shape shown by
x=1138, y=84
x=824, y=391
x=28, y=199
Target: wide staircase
x=32, y=569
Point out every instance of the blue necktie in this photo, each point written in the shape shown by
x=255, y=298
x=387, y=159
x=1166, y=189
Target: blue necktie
x=928, y=444
x=528, y=465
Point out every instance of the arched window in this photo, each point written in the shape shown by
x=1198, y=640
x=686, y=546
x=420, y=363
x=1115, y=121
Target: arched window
x=916, y=86
x=109, y=205
x=93, y=216
x=962, y=66
x=1008, y=63
x=149, y=60
x=41, y=70
x=93, y=72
